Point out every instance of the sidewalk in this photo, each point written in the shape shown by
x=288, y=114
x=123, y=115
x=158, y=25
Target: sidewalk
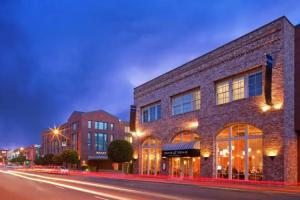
x=262, y=186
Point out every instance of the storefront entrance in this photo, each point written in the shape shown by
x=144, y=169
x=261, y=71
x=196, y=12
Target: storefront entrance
x=185, y=167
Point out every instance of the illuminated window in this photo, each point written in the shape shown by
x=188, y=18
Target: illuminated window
x=238, y=88
x=100, y=141
x=104, y=126
x=185, y=137
x=89, y=124
x=89, y=142
x=239, y=153
x=128, y=138
x=186, y=102
x=223, y=92
x=127, y=129
x=235, y=89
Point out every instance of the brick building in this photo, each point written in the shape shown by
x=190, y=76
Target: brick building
x=32, y=152
x=89, y=133
x=227, y=114
x=3, y=156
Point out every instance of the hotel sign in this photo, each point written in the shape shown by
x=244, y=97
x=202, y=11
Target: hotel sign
x=181, y=153
x=99, y=155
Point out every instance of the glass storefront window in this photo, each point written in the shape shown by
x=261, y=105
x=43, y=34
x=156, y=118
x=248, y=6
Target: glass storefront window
x=151, y=156
x=185, y=166
x=239, y=153
x=185, y=137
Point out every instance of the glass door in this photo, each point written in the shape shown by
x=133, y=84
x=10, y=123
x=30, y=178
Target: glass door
x=175, y=167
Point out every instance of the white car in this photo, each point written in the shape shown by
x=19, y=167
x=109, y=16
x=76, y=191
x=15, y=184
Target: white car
x=64, y=170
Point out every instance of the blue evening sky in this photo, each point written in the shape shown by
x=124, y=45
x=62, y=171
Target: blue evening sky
x=57, y=56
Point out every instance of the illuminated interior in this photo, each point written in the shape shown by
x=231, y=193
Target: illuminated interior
x=185, y=166
x=151, y=155
x=239, y=153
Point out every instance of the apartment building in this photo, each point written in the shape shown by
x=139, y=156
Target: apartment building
x=89, y=133
x=231, y=113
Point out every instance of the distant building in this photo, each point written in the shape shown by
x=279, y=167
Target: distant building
x=89, y=133
x=32, y=152
x=14, y=153
x=3, y=155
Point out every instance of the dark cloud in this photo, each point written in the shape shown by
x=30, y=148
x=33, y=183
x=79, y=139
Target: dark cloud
x=60, y=56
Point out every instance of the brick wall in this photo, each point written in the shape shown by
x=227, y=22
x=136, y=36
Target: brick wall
x=237, y=57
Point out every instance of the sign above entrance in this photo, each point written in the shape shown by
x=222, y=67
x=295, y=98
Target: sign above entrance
x=181, y=153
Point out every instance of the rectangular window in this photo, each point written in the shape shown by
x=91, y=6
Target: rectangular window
x=74, y=126
x=128, y=138
x=89, y=142
x=104, y=126
x=186, y=102
x=223, y=92
x=238, y=88
x=74, y=141
x=127, y=129
x=89, y=124
x=255, y=84
x=151, y=113
x=100, y=141
x=111, y=127
x=145, y=115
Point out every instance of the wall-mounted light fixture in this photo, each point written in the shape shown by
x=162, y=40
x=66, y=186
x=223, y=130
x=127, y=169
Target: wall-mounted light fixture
x=276, y=106
x=272, y=154
x=135, y=155
x=194, y=124
x=266, y=108
x=205, y=155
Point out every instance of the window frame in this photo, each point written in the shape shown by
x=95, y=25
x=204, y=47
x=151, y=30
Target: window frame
x=262, y=81
x=147, y=109
x=231, y=80
x=217, y=94
x=179, y=101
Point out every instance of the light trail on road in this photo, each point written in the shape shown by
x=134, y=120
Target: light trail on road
x=41, y=179
x=101, y=194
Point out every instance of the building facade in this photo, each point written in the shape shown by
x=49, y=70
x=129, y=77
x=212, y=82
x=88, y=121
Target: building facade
x=89, y=133
x=3, y=156
x=227, y=114
x=31, y=153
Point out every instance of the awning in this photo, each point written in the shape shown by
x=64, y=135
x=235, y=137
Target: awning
x=188, y=149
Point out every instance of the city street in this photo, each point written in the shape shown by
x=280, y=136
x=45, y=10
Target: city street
x=15, y=185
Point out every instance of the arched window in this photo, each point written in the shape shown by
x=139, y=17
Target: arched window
x=151, y=153
x=239, y=152
x=185, y=137
x=186, y=166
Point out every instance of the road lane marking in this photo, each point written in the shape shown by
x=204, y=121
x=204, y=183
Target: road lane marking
x=69, y=186
x=59, y=187
x=151, y=194
x=97, y=197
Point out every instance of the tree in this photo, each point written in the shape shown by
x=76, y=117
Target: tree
x=19, y=160
x=120, y=151
x=70, y=157
x=39, y=161
x=48, y=159
x=57, y=159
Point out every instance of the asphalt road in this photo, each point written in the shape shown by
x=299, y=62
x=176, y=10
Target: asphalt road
x=25, y=186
